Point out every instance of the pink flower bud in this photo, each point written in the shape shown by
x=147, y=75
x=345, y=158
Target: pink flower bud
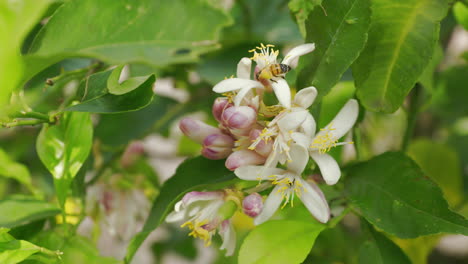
x=239, y=117
x=263, y=147
x=219, y=105
x=243, y=157
x=131, y=153
x=252, y=205
x=217, y=146
x=196, y=129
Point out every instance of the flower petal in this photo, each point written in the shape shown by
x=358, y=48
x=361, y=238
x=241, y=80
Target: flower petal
x=297, y=52
x=292, y=120
x=228, y=235
x=243, y=157
x=305, y=97
x=343, y=121
x=272, y=203
x=301, y=139
x=282, y=92
x=314, y=201
x=308, y=126
x=234, y=84
x=328, y=167
x=299, y=159
x=254, y=173
x=194, y=196
x=243, y=68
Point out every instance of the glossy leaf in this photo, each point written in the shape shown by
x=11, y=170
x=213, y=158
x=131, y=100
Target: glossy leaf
x=449, y=101
x=339, y=36
x=442, y=165
x=281, y=241
x=157, y=33
x=460, y=11
x=377, y=249
x=14, y=170
x=96, y=95
x=394, y=195
x=193, y=174
x=401, y=42
x=116, y=87
x=20, y=210
x=64, y=147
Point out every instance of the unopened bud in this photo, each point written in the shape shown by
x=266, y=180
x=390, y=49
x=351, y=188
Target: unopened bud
x=239, y=117
x=263, y=147
x=252, y=205
x=217, y=146
x=131, y=153
x=196, y=129
x=243, y=157
x=219, y=105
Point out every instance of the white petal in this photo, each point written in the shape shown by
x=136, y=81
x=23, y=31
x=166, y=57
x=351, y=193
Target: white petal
x=344, y=120
x=272, y=203
x=328, y=167
x=301, y=139
x=240, y=95
x=299, y=158
x=175, y=216
x=253, y=173
x=234, y=84
x=194, y=196
x=308, y=126
x=282, y=92
x=292, y=120
x=314, y=200
x=305, y=97
x=243, y=68
x=228, y=235
x=298, y=51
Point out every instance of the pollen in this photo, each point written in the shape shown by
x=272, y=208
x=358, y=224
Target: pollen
x=198, y=231
x=327, y=141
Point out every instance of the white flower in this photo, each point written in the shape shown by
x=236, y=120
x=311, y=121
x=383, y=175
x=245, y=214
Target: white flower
x=327, y=138
x=289, y=183
x=294, y=120
x=265, y=57
x=200, y=211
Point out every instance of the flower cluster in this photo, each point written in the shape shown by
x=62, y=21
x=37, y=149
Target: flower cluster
x=270, y=143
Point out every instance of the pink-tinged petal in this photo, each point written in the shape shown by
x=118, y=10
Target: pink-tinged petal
x=219, y=105
x=235, y=84
x=314, y=200
x=282, y=92
x=178, y=214
x=308, y=127
x=292, y=120
x=305, y=97
x=239, y=117
x=218, y=140
x=256, y=173
x=252, y=205
x=240, y=95
x=292, y=56
x=328, y=167
x=263, y=147
x=216, y=153
x=192, y=197
x=301, y=139
x=243, y=68
x=242, y=158
x=343, y=121
x=299, y=158
x=196, y=130
x=228, y=235
x=271, y=205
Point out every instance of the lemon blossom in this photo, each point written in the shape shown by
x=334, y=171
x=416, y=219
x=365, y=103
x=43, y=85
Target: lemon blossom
x=265, y=56
x=327, y=138
x=288, y=184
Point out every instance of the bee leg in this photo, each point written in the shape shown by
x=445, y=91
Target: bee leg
x=273, y=81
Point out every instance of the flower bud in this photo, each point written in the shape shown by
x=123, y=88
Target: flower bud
x=217, y=146
x=219, y=105
x=252, y=205
x=134, y=150
x=239, y=117
x=263, y=147
x=196, y=129
x=243, y=157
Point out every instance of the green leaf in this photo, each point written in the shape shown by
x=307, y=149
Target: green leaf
x=394, y=195
x=119, y=88
x=450, y=93
x=96, y=95
x=339, y=36
x=460, y=11
x=377, y=249
x=14, y=170
x=401, y=43
x=301, y=10
x=281, y=241
x=157, y=33
x=78, y=250
x=20, y=210
x=441, y=163
x=64, y=147
x=18, y=17
x=193, y=174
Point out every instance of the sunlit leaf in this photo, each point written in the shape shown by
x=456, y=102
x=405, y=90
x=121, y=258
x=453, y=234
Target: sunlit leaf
x=128, y=85
x=460, y=11
x=401, y=42
x=20, y=210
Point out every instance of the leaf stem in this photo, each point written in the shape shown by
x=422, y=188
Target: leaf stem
x=24, y=122
x=412, y=113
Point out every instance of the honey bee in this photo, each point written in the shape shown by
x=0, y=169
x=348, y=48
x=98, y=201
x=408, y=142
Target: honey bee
x=273, y=70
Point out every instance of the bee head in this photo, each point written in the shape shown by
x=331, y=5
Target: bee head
x=285, y=68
